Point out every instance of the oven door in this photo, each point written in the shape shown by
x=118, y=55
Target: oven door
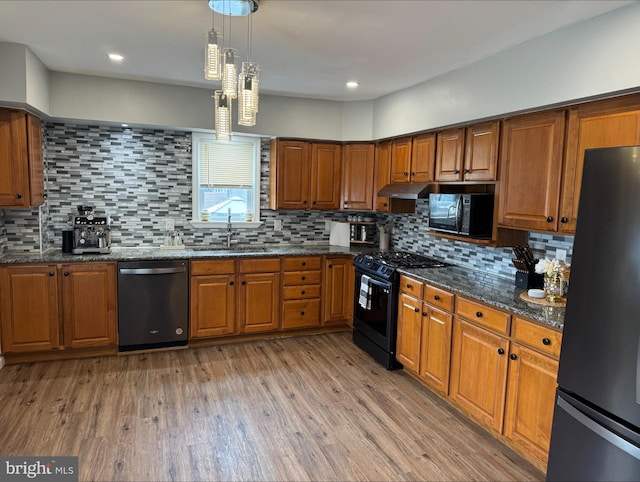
x=377, y=323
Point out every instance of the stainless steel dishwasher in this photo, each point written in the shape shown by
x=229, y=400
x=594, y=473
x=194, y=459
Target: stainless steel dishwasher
x=153, y=304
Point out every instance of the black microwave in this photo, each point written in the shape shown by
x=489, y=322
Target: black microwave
x=462, y=214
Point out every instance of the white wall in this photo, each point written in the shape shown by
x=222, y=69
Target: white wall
x=357, y=118
x=37, y=82
x=591, y=58
x=101, y=99
x=13, y=80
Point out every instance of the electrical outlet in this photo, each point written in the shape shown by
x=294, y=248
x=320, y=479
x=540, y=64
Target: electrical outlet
x=169, y=224
x=277, y=224
x=327, y=226
x=561, y=254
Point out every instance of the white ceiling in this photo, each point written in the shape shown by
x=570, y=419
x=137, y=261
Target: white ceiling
x=305, y=48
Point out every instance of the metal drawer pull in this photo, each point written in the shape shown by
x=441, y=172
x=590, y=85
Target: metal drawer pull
x=436, y=297
x=479, y=314
x=546, y=341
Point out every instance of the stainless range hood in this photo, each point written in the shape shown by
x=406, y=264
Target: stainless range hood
x=405, y=191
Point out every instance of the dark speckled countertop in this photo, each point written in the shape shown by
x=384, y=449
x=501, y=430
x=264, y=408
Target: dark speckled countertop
x=489, y=289
x=492, y=290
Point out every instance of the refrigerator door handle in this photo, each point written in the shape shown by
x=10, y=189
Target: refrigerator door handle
x=598, y=429
x=638, y=372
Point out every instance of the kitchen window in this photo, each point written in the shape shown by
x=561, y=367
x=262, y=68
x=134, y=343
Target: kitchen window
x=226, y=180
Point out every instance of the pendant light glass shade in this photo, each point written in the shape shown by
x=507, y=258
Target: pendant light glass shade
x=230, y=74
x=222, y=116
x=234, y=7
x=213, y=56
x=248, y=94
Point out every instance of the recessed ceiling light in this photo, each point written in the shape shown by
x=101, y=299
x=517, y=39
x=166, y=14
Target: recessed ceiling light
x=125, y=125
x=116, y=57
x=352, y=84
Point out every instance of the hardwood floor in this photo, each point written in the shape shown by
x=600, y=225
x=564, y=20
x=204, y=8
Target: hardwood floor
x=307, y=408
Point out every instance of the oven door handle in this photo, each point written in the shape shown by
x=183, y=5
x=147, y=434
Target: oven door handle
x=373, y=281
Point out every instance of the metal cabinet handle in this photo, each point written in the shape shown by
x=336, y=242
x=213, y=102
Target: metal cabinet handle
x=66, y=273
x=513, y=356
x=302, y=292
x=417, y=310
x=500, y=351
x=467, y=171
x=18, y=196
x=304, y=278
x=51, y=273
x=406, y=173
x=330, y=266
x=457, y=171
x=409, y=286
x=302, y=313
x=413, y=173
x=546, y=341
x=549, y=219
x=304, y=263
x=244, y=283
x=436, y=297
x=230, y=283
x=479, y=314
x=424, y=313
x=385, y=204
x=564, y=220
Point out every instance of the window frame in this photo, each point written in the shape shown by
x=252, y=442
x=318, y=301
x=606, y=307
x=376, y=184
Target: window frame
x=195, y=221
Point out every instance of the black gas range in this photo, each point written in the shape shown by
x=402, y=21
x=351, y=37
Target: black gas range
x=384, y=264
x=376, y=301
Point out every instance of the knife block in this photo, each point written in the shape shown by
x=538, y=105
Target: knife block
x=528, y=279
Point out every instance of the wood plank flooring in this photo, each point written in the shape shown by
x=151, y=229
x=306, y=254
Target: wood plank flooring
x=307, y=408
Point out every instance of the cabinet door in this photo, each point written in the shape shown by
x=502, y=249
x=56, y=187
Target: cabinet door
x=479, y=373
x=481, y=152
x=423, y=153
x=409, y=325
x=326, y=171
x=400, y=159
x=259, y=300
x=449, y=155
x=590, y=129
x=435, y=347
x=36, y=160
x=531, y=165
x=530, y=400
x=89, y=305
x=382, y=175
x=29, y=308
x=292, y=171
x=14, y=162
x=357, y=181
x=335, y=290
x=213, y=305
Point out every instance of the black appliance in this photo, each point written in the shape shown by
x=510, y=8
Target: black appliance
x=462, y=214
x=596, y=423
x=375, y=320
x=153, y=304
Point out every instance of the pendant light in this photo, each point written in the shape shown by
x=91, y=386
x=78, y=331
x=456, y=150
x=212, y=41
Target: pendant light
x=213, y=56
x=230, y=73
x=222, y=116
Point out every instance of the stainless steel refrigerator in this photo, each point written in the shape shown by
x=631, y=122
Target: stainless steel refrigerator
x=596, y=422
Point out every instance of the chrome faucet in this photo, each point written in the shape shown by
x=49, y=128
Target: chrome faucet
x=229, y=232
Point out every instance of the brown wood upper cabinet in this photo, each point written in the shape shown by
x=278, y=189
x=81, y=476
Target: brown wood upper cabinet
x=608, y=123
x=21, y=162
x=305, y=175
x=469, y=154
x=412, y=158
x=357, y=179
x=382, y=175
x=530, y=171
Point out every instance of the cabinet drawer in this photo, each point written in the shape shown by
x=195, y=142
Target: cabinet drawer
x=301, y=313
x=410, y=286
x=437, y=297
x=301, y=292
x=259, y=265
x=540, y=337
x=218, y=266
x=300, y=263
x=302, y=278
x=483, y=315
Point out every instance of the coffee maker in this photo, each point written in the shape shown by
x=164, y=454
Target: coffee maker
x=91, y=233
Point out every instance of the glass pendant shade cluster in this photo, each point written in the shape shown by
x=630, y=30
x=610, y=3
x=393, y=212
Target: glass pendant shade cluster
x=220, y=65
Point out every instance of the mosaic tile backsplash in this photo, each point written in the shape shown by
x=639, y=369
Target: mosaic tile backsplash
x=140, y=177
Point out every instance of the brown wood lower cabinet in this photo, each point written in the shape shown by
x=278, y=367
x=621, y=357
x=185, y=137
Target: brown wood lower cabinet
x=435, y=347
x=213, y=305
x=29, y=308
x=337, y=290
x=530, y=400
x=259, y=302
x=409, y=326
x=302, y=289
x=33, y=297
x=479, y=366
x=89, y=304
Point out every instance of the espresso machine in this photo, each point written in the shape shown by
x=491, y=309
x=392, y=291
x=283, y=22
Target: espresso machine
x=91, y=233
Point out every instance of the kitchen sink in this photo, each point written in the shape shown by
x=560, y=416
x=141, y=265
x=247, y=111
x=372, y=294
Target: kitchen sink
x=253, y=249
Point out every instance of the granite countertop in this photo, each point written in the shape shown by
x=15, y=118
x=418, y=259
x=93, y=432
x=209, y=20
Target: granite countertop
x=200, y=252
x=489, y=289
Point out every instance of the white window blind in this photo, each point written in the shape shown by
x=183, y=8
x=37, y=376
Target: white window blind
x=223, y=164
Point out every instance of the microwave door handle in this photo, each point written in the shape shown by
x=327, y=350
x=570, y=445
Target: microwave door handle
x=459, y=214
